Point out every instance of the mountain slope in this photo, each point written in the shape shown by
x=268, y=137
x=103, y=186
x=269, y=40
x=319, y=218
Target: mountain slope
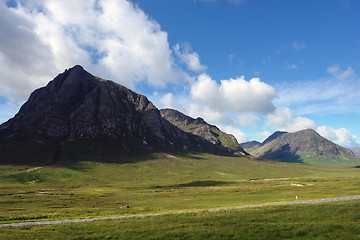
x=80, y=114
x=356, y=151
x=250, y=146
x=201, y=128
x=304, y=146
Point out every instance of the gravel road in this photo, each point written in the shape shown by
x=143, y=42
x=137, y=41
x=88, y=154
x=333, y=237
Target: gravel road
x=25, y=224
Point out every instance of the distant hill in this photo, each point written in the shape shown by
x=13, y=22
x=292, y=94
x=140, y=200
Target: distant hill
x=201, y=128
x=250, y=146
x=356, y=151
x=305, y=146
x=78, y=115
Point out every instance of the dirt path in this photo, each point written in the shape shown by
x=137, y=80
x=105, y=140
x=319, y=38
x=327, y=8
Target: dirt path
x=24, y=224
x=33, y=169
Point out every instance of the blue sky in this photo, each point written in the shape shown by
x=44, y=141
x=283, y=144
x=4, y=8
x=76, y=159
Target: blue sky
x=249, y=66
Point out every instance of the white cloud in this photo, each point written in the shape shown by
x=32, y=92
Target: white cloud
x=248, y=119
x=167, y=100
x=263, y=135
x=283, y=119
x=341, y=136
x=235, y=95
x=341, y=75
x=209, y=115
x=113, y=38
x=189, y=57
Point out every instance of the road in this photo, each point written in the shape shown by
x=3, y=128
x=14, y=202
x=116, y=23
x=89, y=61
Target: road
x=26, y=224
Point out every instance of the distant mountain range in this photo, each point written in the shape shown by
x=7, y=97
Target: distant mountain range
x=305, y=146
x=78, y=116
x=201, y=128
x=81, y=116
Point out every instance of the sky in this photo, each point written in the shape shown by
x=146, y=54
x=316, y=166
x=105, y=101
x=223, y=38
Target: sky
x=251, y=67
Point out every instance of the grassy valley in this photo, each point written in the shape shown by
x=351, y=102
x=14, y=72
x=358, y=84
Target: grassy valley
x=162, y=183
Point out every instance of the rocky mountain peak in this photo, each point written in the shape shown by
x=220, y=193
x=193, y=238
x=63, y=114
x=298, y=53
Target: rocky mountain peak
x=302, y=145
x=79, y=108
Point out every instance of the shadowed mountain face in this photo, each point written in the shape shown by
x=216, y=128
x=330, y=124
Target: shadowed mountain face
x=201, y=128
x=301, y=146
x=78, y=114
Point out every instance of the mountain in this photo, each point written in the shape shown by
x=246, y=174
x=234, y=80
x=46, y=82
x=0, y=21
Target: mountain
x=356, y=151
x=305, y=146
x=250, y=146
x=201, y=128
x=78, y=115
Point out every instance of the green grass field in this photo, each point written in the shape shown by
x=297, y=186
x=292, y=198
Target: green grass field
x=321, y=221
x=162, y=183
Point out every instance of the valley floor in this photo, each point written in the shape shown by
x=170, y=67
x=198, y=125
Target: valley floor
x=54, y=222
x=163, y=184
x=339, y=220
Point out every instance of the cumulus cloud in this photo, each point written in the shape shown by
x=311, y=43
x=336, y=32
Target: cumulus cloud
x=341, y=136
x=263, y=135
x=189, y=57
x=248, y=119
x=238, y=134
x=113, y=38
x=283, y=119
x=26, y=61
x=234, y=95
x=210, y=115
x=339, y=74
x=168, y=100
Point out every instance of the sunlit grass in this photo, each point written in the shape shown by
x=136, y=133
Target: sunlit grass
x=320, y=221
x=162, y=184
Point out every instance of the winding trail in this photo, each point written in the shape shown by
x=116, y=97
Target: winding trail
x=26, y=224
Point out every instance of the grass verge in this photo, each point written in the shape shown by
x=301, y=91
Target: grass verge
x=321, y=221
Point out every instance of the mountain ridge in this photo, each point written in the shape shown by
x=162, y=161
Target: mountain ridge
x=203, y=129
x=102, y=117
x=302, y=146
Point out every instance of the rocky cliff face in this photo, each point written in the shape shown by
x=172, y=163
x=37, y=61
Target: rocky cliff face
x=305, y=143
x=201, y=128
x=80, y=113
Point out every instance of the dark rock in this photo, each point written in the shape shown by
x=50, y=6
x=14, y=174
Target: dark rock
x=78, y=115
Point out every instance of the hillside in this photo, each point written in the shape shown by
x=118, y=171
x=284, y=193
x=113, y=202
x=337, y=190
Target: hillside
x=78, y=115
x=356, y=151
x=250, y=146
x=305, y=146
x=201, y=128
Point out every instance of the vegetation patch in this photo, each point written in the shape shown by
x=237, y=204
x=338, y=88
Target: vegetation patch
x=321, y=221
